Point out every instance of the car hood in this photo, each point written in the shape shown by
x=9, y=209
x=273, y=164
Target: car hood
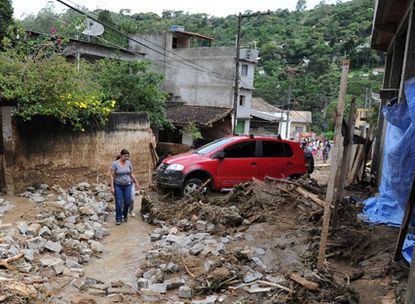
x=184, y=158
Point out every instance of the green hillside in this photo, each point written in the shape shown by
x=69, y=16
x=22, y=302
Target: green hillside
x=303, y=48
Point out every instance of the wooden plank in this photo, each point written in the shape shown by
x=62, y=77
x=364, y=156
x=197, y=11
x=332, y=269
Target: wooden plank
x=410, y=289
x=334, y=165
x=346, y=160
x=408, y=69
x=405, y=223
x=304, y=282
x=310, y=195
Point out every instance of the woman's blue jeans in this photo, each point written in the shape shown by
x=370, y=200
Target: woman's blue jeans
x=122, y=201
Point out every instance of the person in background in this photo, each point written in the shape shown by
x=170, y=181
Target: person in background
x=121, y=180
x=326, y=151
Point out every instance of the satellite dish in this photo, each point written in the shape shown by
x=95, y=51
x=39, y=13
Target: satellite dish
x=93, y=28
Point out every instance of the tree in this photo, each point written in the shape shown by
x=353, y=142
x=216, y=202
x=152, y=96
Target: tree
x=301, y=5
x=43, y=83
x=6, y=13
x=134, y=87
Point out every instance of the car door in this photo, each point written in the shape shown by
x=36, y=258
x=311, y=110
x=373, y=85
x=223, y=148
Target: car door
x=276, y=159
x=239, y=164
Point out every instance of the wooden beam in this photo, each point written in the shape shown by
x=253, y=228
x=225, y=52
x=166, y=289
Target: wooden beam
x=410, y=289
x=408, y=69
x=405, y=223
x=397, y=62
x=345, y=165
x=334, y=164
x=387, y=27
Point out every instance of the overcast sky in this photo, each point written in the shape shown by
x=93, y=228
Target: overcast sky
x=218, y=8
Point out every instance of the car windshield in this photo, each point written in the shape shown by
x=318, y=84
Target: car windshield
x=213, y=145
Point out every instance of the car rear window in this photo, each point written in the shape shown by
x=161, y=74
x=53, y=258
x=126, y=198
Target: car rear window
x=272, y=148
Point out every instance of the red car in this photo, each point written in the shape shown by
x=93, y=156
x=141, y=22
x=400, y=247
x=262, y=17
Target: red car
x=232, y=160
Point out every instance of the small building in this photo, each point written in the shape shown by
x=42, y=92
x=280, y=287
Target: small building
x=300, y=122
x=92, y=51
x=209, y=122
x=267, y=119
x=394, y=34
x=197, y=73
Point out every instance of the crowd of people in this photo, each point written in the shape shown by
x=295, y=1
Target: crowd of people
x=320, y=148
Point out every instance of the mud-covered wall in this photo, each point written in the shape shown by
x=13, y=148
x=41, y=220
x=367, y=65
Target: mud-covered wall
x=48, y=152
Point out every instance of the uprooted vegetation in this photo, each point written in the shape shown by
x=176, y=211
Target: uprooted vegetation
x=256, y=244
x=270, y=232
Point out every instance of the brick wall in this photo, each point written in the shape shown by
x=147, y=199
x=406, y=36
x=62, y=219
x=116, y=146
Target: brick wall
x=48, y=152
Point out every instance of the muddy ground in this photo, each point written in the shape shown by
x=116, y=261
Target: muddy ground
x=253, y=242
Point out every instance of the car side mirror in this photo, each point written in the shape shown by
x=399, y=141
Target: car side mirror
x=220, y=155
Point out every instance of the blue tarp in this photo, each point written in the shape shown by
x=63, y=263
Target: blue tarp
x=398, y=166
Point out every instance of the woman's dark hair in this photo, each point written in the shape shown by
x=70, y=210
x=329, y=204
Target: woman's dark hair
x=124, y=152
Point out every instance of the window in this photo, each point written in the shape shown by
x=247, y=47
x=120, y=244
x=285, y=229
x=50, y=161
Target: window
x=276, y=149
x=174, y=43
x=244, y=149
x=242, y=100
x=244, y=70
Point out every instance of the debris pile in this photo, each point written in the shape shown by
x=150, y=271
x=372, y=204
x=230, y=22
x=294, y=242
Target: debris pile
x=57, y=242
x=255, y=245
x=245, y=204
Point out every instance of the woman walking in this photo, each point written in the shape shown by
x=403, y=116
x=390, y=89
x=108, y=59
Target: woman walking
x=121, y=180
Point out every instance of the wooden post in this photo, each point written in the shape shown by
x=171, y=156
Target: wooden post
x=345, y=165
x=334, y=164
x=8, y=141
x=410, y=290
x=405, y=223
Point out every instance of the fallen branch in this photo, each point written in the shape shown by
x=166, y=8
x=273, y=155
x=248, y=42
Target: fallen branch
x=280, y=180
x=304, y=282
x=310, y=195
x=266, y=283
x=20, y=289
x=5, y=262
x=258, y=290
x=187, y=269
x=274, y=285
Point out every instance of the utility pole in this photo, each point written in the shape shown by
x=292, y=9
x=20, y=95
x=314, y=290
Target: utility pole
x=236, y=88
x=287, y=129
x=238, y=49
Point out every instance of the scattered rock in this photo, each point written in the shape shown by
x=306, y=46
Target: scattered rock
x=185, y=292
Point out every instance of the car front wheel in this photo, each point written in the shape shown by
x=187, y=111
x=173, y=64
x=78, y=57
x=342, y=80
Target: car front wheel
x=191, y=185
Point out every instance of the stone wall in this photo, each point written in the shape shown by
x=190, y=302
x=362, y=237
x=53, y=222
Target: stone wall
x=48, y=152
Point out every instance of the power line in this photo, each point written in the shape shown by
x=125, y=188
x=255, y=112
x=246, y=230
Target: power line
x=204, y=69
x=155, y=61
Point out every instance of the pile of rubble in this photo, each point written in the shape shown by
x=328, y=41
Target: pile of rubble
x=207, y=249
x=57, y=242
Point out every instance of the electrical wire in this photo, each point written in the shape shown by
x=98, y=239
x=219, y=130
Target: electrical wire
x=190, y=64
x=154, y=61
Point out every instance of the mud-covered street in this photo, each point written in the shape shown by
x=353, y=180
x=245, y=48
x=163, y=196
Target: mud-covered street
x=255, y=244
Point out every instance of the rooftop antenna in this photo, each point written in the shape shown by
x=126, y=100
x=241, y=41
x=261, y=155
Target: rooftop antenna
x=92, y=28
